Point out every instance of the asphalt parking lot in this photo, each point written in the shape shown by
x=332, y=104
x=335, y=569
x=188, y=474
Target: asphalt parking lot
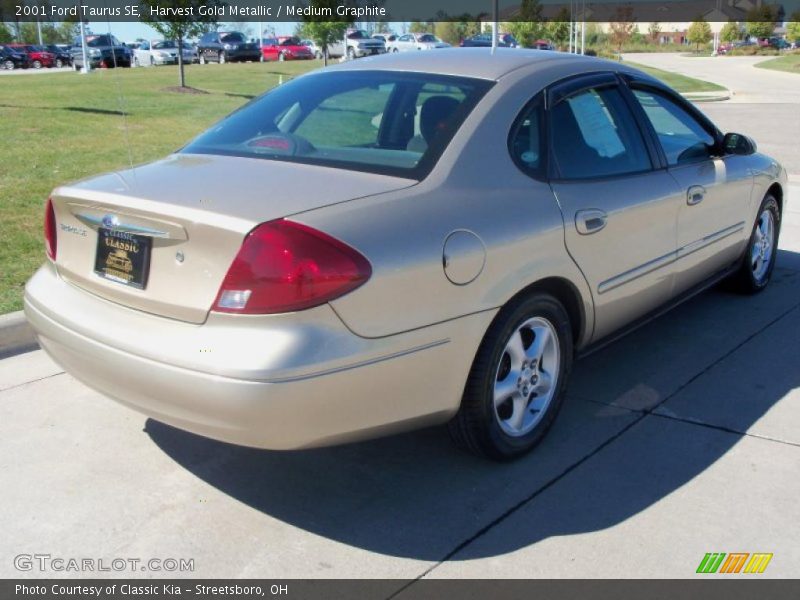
x=681, y=439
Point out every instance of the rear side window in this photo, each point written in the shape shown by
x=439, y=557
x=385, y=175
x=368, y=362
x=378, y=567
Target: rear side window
x=594, y=135
x=682, y=137
x=526, y=143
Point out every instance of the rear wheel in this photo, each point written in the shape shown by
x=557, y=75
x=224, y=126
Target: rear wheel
x=37, y=64
x=518, y=380
x=9, y=64
x=59, y=63
x=759, y=258
x=281, y=57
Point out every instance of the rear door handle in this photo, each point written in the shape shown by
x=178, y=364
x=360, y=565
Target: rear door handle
x=695, y=195
x=590, y=220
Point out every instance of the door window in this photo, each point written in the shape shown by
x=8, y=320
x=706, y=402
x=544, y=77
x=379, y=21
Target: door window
x=595, y=135
x=681, y=136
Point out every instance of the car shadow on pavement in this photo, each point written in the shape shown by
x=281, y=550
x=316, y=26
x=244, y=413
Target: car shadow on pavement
x=607, y=458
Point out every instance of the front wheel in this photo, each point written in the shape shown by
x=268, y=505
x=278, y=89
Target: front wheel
x=518, y=380
x=37, y=64
x=221, y=58
x=759, y=257
x=351, y=53
x=59, y=63
x=202, y=59
x=9, y=64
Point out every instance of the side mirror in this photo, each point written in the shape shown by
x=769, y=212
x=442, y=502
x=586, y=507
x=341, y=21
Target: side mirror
x=736, y=143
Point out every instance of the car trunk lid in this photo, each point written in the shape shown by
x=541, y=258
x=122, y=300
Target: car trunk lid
x=192, y=212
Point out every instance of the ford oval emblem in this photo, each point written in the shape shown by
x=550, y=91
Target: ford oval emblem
x=110, y=221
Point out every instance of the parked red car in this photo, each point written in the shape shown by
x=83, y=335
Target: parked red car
x=285, y=48
x=39, y=55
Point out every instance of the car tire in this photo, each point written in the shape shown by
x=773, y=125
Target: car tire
x=758, y=261
x=221, y=58
x=202, y=60
x=75, y=66
x=518, y=379
x=37, y=64
x=59, y=63
x=9, y=65
x=281, y=57
x=351, y=53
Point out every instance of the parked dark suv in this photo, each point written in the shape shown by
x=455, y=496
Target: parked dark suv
x=102, y=51
x=226, y=46
x=11, y=59
x=62, y=54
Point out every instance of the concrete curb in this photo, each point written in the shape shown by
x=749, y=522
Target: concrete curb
x=719, y=96
x=16, y=335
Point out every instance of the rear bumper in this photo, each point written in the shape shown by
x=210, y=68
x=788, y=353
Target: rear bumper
x=279, y=382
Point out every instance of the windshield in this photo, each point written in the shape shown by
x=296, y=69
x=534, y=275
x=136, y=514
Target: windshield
x=384, y=122
x=164, y=45
x=291, y=42
x=358, y=35
x=231, y=37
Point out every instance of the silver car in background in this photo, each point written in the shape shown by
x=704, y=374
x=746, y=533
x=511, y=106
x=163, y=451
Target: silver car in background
x=161, y=52
x=415, y=41
x=400, y=241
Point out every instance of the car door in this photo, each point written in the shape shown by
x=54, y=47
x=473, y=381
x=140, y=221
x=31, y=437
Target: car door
x=716, y=189
x=619, y=209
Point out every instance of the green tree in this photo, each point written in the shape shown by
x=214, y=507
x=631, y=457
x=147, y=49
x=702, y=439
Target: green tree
x=453, y=32
x=761, y=21
x=421, y=27
x=528, y=24
x=699, y=32
x=179, y=28
x=558, y=28
x=793, y=26
x=325, y=33
x=5, y=34
x=730, y=32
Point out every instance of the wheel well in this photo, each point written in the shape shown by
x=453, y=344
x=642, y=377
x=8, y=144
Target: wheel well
x=566, y=293
x=776, y=190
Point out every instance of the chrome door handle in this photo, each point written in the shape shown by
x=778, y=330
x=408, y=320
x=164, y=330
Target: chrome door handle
x=695, y=195
x=590, y=220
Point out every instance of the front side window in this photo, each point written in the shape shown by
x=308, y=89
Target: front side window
x=384, y=122
x=595, y=135
x=682, y=137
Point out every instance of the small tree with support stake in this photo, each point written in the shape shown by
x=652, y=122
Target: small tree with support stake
x=179, y=28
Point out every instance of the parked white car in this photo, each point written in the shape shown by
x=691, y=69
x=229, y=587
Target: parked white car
x=416, y=41
x=359, y=43
x=161, y=52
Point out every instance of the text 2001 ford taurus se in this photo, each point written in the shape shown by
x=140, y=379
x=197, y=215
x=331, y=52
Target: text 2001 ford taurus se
x=396, y=242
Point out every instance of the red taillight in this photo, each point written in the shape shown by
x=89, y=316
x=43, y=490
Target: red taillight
x=50, y=239
x=284, y=266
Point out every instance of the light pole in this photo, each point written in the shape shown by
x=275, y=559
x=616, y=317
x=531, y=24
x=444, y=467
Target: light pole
x=86, y=66
x=494, y=25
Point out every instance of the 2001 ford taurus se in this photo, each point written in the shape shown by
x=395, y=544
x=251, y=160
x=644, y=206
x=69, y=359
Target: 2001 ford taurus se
x=397, y=242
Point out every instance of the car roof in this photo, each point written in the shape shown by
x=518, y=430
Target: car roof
x=480, y=63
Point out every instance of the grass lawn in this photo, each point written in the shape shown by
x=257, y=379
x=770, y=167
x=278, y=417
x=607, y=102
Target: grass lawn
x=680, y=83
x=59, y=127
x=789, y=62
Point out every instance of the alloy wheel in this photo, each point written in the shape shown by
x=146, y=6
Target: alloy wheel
x=526, y=377
x=761, y=251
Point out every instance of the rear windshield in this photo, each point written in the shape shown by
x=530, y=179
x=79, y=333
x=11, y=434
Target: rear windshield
x=379, y=121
